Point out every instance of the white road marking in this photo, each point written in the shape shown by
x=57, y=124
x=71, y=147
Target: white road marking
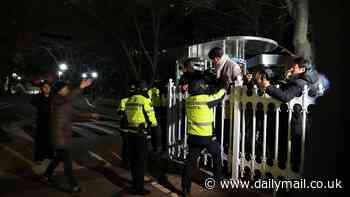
x=13, y=129
x=89, y=104
x=90, y=125
x=18, y=155
x=96, y=156
x=5, y=105
x=163, y=189
x=117, y=156
x=82, y=132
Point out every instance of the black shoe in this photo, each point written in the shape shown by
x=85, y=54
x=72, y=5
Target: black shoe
x=47, y=180
x=76, y=189
x=69, y=189
x=295, y=168
x=142, y=192
x=125, y=165
x=186, y=192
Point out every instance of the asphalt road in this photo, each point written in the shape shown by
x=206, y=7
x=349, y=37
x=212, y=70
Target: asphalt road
x=96, y=153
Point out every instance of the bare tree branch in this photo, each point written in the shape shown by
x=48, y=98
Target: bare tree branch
x=50, y=53
x=138, y=30
x=133, y=69
x=290, y=7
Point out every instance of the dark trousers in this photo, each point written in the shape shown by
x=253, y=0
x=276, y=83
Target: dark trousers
x=137, y=158
x=125, y=156
x=43, y=148
x=65, y=156
x=196, y=145
x=124, y=125
x=163, y=125
x=218, y=119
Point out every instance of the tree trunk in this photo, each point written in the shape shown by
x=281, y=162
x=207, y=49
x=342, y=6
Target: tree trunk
x=301, y=42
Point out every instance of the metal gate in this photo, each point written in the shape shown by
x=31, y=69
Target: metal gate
x=239, y=99
x=249, y=134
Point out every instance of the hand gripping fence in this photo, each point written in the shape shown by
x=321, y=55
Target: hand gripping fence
x=260, y=132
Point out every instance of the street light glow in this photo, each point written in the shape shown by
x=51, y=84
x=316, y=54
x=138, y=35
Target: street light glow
x=19, y=78
x=63, y=67
x=14, y=75
x=84, y=75
x=94, y=75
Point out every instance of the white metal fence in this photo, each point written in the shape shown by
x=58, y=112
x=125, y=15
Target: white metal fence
x=256, y=142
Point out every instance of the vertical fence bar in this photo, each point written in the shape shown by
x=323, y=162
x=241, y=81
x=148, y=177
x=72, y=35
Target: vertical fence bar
x=303, y=142
x=229, y=154
x=174, y=120
x=222, y=130
x=236, y=139
x=290, y=111
x=169, y=116
x=265, y=108
x=276, y=135
x=185, y=133
x=243, y=139
x=253, y=141
x=179, y=112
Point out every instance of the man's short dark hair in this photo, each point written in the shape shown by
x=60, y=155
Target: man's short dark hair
x=188, y=63
x=302, y=62
x=215, y=52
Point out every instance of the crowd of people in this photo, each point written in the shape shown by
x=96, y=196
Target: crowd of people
x=143, y=112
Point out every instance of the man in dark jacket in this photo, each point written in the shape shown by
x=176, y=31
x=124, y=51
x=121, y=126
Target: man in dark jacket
x=298, y=75
x=61, y=126
x=43, y=148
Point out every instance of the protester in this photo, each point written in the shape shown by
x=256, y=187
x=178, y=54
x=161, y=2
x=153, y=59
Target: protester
x=61, y=126
x=43, y=148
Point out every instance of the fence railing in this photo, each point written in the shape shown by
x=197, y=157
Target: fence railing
x=261, y=139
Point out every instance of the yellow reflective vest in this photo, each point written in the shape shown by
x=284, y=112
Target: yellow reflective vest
x=199, y=116
x=139, y=110
x=154, y=95
x=121, y=107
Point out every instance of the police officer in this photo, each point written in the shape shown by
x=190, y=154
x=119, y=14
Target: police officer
x=140, y=115
x=124, y=124
x=200, y=120
x=155, y=95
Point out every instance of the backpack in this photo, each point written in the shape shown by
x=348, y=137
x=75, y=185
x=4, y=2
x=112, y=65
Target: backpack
x=318, y=83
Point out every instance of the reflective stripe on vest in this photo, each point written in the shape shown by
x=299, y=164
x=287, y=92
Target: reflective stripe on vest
x=201, y=123
x=134, y=105
x=197, y=103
